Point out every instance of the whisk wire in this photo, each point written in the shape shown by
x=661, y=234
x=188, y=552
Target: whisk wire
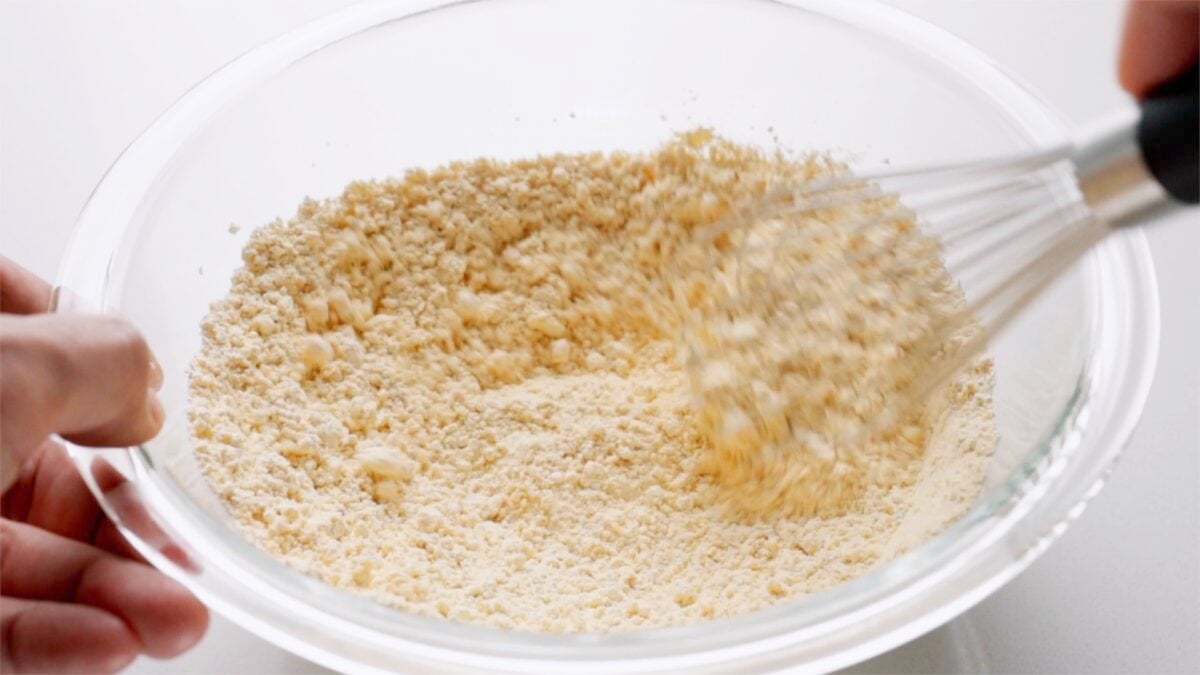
x=1002, y=229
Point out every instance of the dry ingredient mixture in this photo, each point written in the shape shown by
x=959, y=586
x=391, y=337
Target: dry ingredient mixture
x=462, y=393
x=815, y=334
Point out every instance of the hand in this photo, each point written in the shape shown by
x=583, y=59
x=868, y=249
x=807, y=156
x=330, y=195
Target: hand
x=1161, y=40
x=76, y=596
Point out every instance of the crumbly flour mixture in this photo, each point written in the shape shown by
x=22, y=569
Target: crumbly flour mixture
x=461, y=393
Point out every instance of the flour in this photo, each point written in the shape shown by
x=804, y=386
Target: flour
x=460, y=393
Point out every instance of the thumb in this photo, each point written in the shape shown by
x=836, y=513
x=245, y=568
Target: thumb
x=1159, y=42
x=87, y=377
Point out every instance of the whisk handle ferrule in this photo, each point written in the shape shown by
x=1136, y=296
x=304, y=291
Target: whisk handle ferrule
x=1131, y=167
x=1116, y=182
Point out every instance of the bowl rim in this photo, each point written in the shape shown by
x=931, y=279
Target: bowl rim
x=966, y=569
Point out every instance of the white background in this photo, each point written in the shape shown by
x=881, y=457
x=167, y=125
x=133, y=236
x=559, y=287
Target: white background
x=1120, y=591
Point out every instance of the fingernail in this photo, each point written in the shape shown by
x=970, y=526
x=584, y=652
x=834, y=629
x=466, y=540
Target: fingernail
x=155, y=408
x=156, y=374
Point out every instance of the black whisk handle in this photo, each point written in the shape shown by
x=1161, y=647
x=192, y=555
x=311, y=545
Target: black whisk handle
x=1169, y=133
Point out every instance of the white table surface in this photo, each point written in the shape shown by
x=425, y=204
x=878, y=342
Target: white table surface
x=1119, y=593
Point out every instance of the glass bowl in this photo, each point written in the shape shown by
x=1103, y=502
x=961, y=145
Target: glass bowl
x=389, y=85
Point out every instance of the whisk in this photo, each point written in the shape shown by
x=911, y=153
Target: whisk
x=1004, y=229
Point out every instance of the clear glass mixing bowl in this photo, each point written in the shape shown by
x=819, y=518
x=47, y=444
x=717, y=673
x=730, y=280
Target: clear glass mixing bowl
x=389, y=85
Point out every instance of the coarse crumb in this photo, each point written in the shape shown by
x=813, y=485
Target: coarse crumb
x=811, y=333
x=460, y=393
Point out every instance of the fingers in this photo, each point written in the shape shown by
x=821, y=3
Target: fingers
x=126, y=503
x=53, y=637
x=86, y=377
x=1160, y=41
x=109, y=538
x=38, y=565
x=68, y=606
x=21, y=291
x=51, y=495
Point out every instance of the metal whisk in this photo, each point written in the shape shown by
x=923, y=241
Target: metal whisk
x=831, y=259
